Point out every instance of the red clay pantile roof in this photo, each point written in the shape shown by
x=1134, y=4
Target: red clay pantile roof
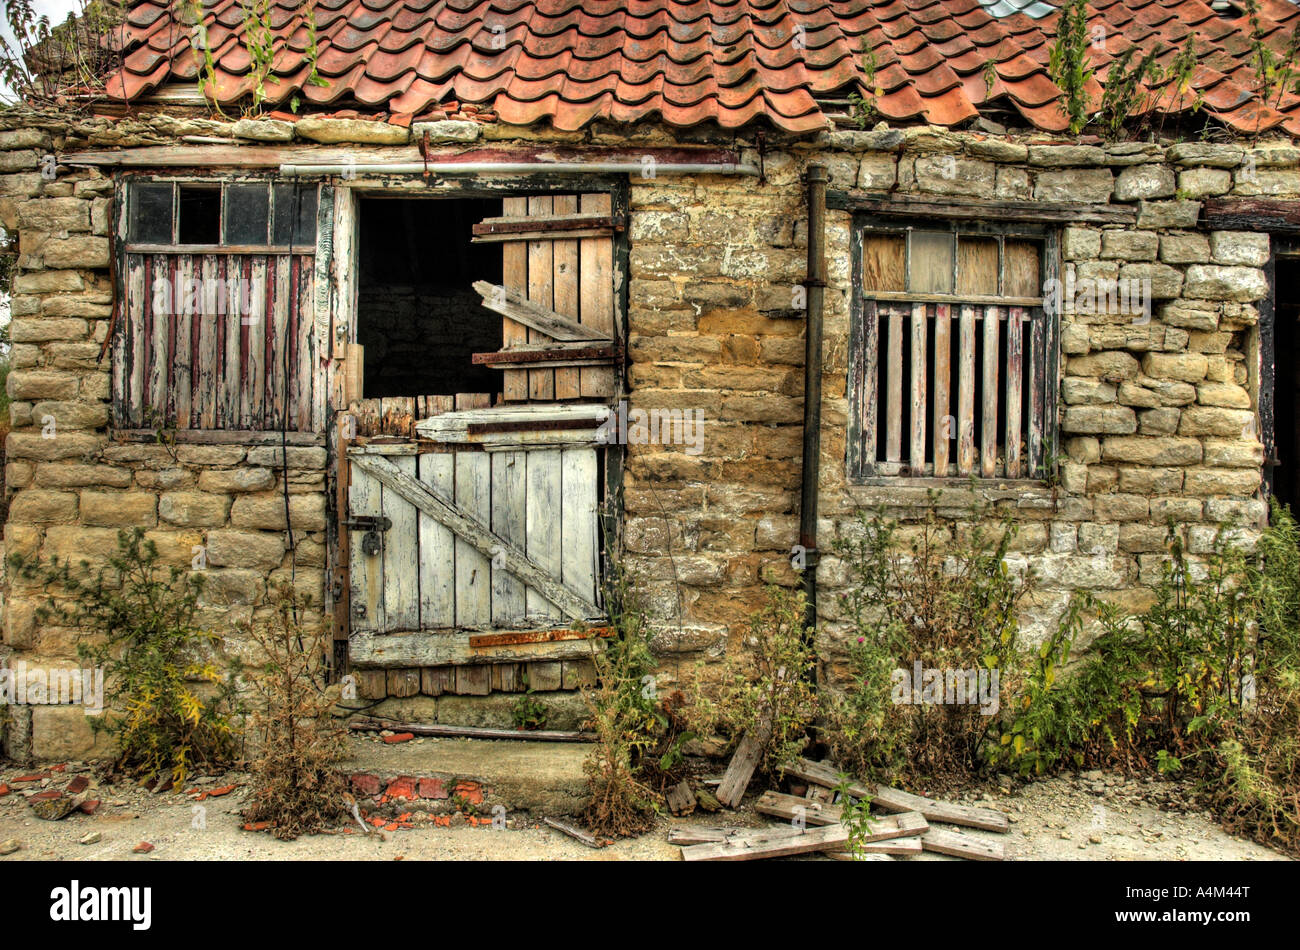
x=694, y=61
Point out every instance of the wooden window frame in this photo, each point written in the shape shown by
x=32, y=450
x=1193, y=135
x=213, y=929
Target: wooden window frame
x=862, y=466
x=221, y=185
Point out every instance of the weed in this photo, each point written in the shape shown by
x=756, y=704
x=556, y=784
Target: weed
x=1068, y=63
x=294, y=786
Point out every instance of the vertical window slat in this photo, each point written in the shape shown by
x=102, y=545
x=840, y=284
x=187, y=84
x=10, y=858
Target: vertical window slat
x=989, y=426
x=894, y=376
x=966, y=393
x=942, y=424
x=917, y=448
x=1015, y=372
x=870, y=388
x=1037, y=373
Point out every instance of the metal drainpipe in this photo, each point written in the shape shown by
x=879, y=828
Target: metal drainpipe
x=812, y=386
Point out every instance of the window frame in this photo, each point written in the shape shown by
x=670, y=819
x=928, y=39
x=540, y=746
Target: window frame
x=862, y=466
x=222, y=186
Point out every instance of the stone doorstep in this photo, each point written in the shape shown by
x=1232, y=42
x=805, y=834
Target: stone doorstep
x=544, y=779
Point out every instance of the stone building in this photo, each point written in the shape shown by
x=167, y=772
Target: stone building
x=370, y=337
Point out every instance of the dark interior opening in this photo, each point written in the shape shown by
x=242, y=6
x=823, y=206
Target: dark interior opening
x=418, y=315
x=1286, y=381
x=200, y=215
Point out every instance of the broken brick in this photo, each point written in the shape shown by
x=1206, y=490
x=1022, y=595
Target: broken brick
x=256, y=825
x=223, y=790
x=79, y=784
x=472, y=792
x=46, y=796
x=365, y=784
x=403, y=787
x=89, y=807
x=432, y=788
x=4, y=789
x=400, y=737
x=143, y=847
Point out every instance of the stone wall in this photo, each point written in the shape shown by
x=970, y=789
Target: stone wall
x=1155, y=416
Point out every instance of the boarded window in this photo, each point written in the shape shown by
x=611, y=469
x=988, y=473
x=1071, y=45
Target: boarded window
x=217, y=324
x=949, y=374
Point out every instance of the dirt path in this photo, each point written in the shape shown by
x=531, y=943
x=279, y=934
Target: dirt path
x=1090, y=817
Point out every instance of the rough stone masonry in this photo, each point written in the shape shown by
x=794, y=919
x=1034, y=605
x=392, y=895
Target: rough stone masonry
x=1156, y=417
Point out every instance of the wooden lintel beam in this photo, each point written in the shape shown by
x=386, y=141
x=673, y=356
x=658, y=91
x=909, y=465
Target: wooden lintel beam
x=1275, y=215
x=949, y=208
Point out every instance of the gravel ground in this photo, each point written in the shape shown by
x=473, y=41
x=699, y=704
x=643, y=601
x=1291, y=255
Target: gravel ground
x=1086, y=817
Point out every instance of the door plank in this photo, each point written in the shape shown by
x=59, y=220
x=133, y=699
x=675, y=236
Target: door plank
x=182, y=347
x=916, y=449
x=473, y=564
x=473, y=530
x=401, y=555
x=437, y=547
x=509, y=500
x=1015, y=370
x=943, y=423
x=966, y=393
x=366, y=571
x=514, y=277
x=543, y=527
x=989, y=425
x=579, y=545
x=597, y=291
x=567, y=293
x=541, y=293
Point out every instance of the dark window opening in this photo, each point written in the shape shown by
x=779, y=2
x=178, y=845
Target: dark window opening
x=200, y=215
x=1286, y=381
x=418, y=315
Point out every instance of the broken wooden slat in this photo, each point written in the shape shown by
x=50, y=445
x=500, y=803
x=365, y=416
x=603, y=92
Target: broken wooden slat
x=767, y=845
x=740, y=770
x=681, y=800
x=547, y=353
x=1037, y=384
x=793, y=808
x=894, y=376
x=473, y=680
x=366, y=724
x=543, y=226
x=892, y=799
x=1014, y=377
x=966, y=393
x=577, y=834
x=860, y=856
x=509, y=303
x=689, y=836
x=916, y=452
x=959, y=845
x=892, y=846
x=989, y=424
x=817, y=793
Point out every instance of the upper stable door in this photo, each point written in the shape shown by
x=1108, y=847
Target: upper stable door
x=486, y=340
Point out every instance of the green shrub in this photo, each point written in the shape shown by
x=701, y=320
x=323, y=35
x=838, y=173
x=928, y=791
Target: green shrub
x=172, y=705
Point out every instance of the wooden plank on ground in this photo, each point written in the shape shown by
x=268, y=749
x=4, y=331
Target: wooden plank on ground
x=740, y=770
x=942, y=841
x=681, y=800
x=892, y=799
x=689, y=836
x=792, y=808
x=576, y=833
x=764, y=845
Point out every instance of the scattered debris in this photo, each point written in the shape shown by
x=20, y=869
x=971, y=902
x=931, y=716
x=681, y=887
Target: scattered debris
x=399, y=737
x=53, y=806
x=90, y=837
x=144, y=847
x=740, y=770
x=89, y=807
x=815, y=820
x=10, y=846
x=707, y=800
x=577, y=834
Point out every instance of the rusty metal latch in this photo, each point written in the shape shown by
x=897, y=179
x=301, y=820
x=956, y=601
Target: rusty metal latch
x=372, y=525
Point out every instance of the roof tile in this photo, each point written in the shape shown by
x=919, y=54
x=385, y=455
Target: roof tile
x=572, y=62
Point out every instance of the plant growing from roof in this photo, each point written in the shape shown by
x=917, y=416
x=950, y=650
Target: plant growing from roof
x=1068, y=63
x=1124, y=88
x=259, y=42
x=864, y=106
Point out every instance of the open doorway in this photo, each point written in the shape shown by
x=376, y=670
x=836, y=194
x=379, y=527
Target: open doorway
x=418, y=315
